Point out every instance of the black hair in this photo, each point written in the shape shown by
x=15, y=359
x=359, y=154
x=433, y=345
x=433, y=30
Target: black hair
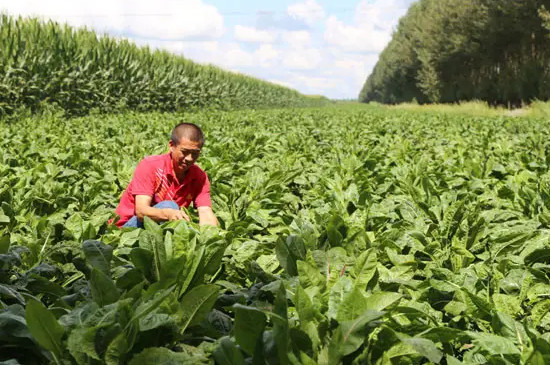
x=189, y=131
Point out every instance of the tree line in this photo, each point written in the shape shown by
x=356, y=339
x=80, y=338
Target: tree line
x=455, y=50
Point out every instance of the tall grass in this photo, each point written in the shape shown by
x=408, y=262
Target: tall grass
x=79, y=71
x=473, y=108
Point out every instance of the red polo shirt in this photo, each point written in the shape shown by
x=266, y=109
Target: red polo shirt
x=154, y=176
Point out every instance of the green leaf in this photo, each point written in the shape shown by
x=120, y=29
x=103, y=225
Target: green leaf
x=540, y=255
x=425, y=348
x=120, y=346
x=285, y=257
x=348, y=336
x=227, y=353
x=103, y=288
x=75, y=225
x=155, y=320
x=196, y=304
x=335, y=238
x=280, y=324
x=81, y=345
x=145, y=308
x=249, y=326
x=381, y=300
x=492, y=344
x=309, y=275
x=98, y=255
x=303, y=305
x=143, y=261
x=364, y=268
x=152, y=226
x=128, y=239
x=337, y=295
x=4, y=243
x=162, y=356
x=44, y=327
x=191, y=269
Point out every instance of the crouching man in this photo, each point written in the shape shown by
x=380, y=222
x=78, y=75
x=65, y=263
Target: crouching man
x=162, y=184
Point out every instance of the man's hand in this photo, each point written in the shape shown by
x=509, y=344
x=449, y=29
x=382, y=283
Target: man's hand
x=174, y=215
x=144, y=209
x=206, y=216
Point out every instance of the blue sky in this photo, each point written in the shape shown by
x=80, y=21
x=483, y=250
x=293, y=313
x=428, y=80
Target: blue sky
x=314, y=46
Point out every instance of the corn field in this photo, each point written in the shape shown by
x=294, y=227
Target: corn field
x=77, y=70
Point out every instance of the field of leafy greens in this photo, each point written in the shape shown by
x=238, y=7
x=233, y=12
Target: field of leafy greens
x=355, y=235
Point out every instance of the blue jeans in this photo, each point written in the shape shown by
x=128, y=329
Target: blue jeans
x=135, y=223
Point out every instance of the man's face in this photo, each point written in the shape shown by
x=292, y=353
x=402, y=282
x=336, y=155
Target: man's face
x=184, y=155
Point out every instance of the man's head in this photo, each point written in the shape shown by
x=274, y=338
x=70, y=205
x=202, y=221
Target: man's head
x=185, y=146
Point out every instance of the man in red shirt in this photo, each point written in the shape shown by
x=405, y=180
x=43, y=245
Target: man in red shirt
x=163, y=183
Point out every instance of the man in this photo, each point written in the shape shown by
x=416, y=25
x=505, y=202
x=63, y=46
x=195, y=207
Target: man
x=162, y=184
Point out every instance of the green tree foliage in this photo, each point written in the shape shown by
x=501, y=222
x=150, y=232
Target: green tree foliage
x=78, y=70
x=448, y=51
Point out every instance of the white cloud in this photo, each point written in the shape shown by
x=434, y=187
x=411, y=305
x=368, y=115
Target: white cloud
x=297, y=39
x=372, y=27
x=308, y=11
x=382, y=14
x=317, y=85
x=161, y=19
x=304, y=59
x=355, y=38
x=267, y=55
x=253, y=35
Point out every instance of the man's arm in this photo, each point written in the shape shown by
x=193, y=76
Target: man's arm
x=206, y=216
x=144, y=209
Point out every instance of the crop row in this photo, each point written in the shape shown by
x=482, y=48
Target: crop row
x=76, y=70
x=398, y=238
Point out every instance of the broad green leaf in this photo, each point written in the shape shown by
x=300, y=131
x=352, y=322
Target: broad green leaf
x=128, y=239
x=280, y=324
x=196, y=304
x=155, y=320
x=425, y=348
x=81, y=344
x=309, y=274
x=249, y=326
x=143, y=261
x=337, y=295
x=286, y=259
x=493, y=344
x=75, y=225
x=98, y=255
x=303, y=305
x=153, y=303
x=103, y=288
x=227, y=353
x=349, y=336
x=4, y=243
x=364, y=268
x=507, y=304
x=381, y=300
x=352, y=306
x=162, y=356
x=120, y=346
x=44, y=327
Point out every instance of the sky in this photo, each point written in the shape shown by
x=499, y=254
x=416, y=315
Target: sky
x=318, y=47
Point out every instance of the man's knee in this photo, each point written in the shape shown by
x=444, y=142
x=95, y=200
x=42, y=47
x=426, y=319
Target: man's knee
x=167, y=204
